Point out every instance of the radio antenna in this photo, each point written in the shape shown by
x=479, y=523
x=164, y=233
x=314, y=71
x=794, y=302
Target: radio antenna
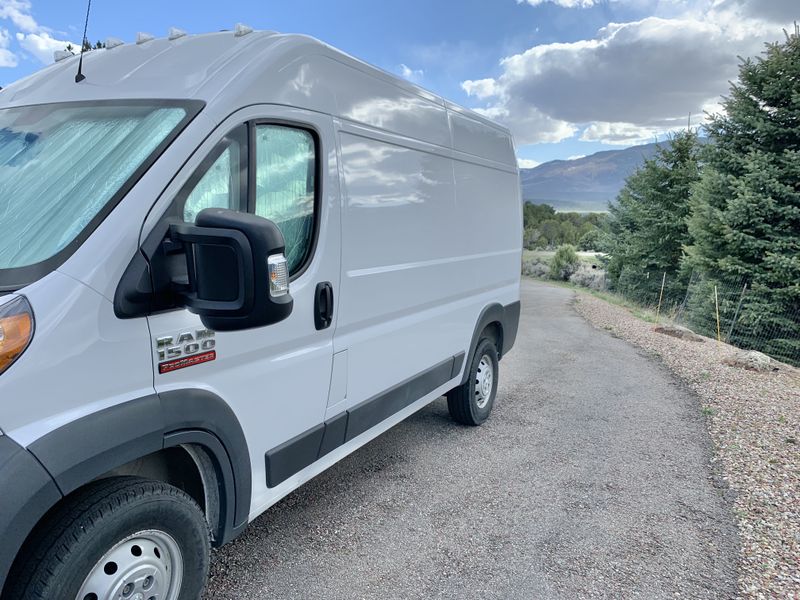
x=80, y=76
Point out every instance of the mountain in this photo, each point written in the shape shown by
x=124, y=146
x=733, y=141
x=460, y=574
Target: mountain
x=583, y=184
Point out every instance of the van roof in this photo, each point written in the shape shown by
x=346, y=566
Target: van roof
x=205, y=67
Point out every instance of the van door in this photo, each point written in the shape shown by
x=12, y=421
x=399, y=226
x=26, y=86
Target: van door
x=276, y=163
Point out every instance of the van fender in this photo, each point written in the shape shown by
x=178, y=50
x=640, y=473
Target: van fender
x=28, y=493
x=86, y=448
x=508, y=318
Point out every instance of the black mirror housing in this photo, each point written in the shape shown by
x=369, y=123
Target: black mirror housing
x=228, y=277
x=217, y=268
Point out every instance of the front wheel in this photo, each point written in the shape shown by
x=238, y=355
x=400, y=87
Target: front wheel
x=124, y=538
x=471, y=402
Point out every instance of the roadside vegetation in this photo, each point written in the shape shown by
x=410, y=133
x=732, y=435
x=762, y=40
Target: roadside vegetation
x=546, y=229
x=708, y=233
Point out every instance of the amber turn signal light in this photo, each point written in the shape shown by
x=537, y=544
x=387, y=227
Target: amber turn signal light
x=16, y=330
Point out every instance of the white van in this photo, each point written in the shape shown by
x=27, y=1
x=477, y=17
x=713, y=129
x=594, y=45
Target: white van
x=227, y=261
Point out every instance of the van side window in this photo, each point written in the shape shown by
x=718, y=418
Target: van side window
x=285, y=186
x=220, y=181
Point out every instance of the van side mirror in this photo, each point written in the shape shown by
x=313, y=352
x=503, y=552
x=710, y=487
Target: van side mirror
x=238, y=276
x=228, y=267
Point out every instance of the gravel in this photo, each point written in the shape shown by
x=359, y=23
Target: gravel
x=592, y=479
x=754, y=422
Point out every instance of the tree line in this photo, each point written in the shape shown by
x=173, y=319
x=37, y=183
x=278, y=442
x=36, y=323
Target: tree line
x=545, y=228
x=726, y=210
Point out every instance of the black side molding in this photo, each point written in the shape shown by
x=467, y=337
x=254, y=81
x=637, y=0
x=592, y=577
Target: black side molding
x=370, y=412
x=303, y=450
x=335, y=432
x=293, y=455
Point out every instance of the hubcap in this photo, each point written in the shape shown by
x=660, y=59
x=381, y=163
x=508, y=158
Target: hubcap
x=484, y=381
x=145, y=566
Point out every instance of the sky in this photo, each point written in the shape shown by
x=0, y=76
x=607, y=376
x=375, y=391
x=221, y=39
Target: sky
x=568, y=77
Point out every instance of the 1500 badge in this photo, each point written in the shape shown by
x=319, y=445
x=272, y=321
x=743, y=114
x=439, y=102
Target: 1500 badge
x=187, y=349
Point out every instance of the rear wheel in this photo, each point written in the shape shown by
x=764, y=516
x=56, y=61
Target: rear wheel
x=124, y=538
x=471, y=402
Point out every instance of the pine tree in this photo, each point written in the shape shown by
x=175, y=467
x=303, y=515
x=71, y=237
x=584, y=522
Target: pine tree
x=745, y=222
x=648, y=222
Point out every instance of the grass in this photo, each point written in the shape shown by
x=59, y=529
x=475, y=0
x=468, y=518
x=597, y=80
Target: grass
x=645, y=314
x=589, y=259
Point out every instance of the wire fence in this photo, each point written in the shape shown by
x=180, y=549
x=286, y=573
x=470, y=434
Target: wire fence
x=727, y=309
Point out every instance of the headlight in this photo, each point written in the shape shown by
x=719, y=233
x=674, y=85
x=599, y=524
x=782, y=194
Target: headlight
x=16, y=330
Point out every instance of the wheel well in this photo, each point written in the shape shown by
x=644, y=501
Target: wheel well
x=494, y=331
x=188, y=467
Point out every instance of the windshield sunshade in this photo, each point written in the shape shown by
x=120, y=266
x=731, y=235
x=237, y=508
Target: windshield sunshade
x=61, y=164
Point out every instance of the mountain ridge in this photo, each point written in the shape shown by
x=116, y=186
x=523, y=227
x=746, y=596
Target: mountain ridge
x=584, y=184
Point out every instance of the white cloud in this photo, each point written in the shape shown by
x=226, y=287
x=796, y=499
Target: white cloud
x=527, y=163
x=529, y=125
x=19, y=13
x=482, y=88
x=32, y=37
x=619, y=133
x=43, y=45
x=782, y=12
x=7, y=58
x=414, y=75
x=631, y=81
x=576, y=156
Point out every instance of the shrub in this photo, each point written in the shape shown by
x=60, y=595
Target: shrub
x=534, y=267
x=564, y=262
x=592, y=278
x=590, y=241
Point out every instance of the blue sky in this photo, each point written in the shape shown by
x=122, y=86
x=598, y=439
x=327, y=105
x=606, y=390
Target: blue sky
x=570, y=77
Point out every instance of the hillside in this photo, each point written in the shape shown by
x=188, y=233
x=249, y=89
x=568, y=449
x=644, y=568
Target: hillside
x=583, y=184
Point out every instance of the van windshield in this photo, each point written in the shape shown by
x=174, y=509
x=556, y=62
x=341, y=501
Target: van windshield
x=62, y=164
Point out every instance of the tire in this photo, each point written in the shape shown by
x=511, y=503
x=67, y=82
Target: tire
x=471, y=402
x=114, y=533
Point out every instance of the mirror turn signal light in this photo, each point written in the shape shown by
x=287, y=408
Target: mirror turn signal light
x=278, y=270
x=16, y=330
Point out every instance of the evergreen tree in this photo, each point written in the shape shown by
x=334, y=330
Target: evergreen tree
x=648, y=222
x=745, y=222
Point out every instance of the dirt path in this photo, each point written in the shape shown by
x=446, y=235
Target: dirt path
x=591, y=479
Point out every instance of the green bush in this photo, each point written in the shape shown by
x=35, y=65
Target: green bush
x=564, y=262
x=590, y=241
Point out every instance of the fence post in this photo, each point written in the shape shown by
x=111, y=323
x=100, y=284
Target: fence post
x=679, y=316
x=716, y=305
x=736, y=314
x=661, y=295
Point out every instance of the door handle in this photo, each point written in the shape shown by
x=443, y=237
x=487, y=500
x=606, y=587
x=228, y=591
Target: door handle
x=323, y=305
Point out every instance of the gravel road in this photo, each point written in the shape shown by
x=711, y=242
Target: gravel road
x=591, y=479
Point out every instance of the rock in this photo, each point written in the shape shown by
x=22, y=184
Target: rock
x=679, y=332
x=751, y=360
